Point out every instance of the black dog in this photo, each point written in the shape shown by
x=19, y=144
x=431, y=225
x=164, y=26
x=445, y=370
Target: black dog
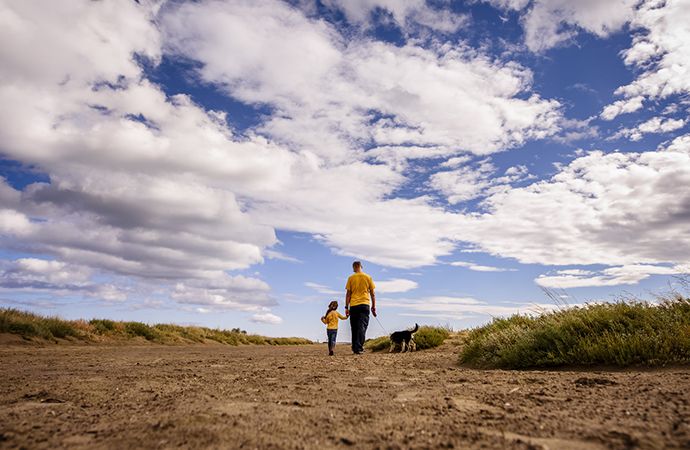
x=405, y=339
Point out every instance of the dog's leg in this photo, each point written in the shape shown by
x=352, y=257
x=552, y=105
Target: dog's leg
x=404, y=347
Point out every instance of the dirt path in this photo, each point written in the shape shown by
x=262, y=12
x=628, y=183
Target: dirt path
x=273, y=397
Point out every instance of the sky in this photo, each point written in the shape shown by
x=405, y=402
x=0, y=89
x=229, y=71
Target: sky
x=222, y=162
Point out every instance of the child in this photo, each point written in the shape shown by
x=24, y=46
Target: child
x=331, y=320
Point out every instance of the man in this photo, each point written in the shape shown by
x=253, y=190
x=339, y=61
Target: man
x=360, y=294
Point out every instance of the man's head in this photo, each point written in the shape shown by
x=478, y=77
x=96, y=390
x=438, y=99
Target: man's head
x=357, y=266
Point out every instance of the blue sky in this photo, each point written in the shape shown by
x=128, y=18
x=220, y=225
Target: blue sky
x=222, y=163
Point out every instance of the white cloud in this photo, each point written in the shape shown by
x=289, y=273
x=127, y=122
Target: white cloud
x=57, y=278
x=509, y=4
x=463, y=184
x=467, y=183
x=479, y=268
x=461, y=307
x=395, y=285
x=653, y=125
x=628, y=105
x=548, y=23
x=321, y=289
x=225, y=292
x=273, y=254
x=678, y=144
x=612, y=209
x=661, y=50
x=407, y=14
x=350, y=92
x=614, y=276
x=268, y=318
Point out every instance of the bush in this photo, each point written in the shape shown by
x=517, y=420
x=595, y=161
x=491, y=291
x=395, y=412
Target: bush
x=60, y=328
x=141, y=329
x=430, y=337
x=622, y=334
x=378, y=344
x=22, y=323
x=426, y=337
x=102, y=326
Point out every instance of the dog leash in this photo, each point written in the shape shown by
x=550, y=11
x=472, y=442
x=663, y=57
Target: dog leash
x=381, y=325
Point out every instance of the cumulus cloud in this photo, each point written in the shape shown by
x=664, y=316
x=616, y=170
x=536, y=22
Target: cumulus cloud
x=548, y=23
x=35, y=275
x=395, y=285
x=661, y=53
x=353, y=92
x=613, y=209
x=126, y=193
x=613, y=276
x=470, y=182
x=268, y=318
x=653, y=125
x=406, y=14
x=618, y=107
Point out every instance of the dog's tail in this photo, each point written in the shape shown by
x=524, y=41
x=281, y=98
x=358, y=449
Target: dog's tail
x=416, y=327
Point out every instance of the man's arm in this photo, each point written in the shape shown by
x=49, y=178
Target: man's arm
x=373, y=302
x=348, y=296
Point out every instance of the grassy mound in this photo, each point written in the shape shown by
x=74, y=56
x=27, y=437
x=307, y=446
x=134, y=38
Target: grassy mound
x=622, y=334
x=426, y=337
x=29, y=325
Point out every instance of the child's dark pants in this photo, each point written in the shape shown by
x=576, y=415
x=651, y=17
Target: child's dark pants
x=332, y=334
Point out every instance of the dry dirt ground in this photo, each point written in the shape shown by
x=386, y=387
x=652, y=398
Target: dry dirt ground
x=212, y=396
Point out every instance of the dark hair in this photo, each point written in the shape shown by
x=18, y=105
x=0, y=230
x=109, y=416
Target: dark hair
x=332, y=306
x=356, y=264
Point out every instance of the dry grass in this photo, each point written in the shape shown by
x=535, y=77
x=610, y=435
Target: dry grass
x=30, y=326
x=623, y=333
x=426, y=337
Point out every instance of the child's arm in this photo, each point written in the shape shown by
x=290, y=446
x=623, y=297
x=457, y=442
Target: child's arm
x=340, y=316
x=323, y=319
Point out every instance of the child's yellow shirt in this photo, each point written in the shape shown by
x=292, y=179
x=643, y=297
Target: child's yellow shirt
x=331, y=320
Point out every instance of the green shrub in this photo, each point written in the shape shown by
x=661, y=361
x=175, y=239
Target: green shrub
x=141, y=329
x=426, y=337
x=102, y=326
x=430, y=337
x=60, y=328
x=378, y=344
x=24, y=324
x=622, y=334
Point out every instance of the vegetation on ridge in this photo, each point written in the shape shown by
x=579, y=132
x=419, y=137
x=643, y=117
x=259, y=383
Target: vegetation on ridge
x=29, y=325
x=622, y=334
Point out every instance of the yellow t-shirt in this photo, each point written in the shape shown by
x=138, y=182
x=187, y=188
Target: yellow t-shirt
x=331, y=320
x=360, y=285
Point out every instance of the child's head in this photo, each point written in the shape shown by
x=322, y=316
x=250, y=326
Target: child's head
x=333, y=305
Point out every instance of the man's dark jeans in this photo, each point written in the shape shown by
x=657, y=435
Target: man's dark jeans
x=359, y=321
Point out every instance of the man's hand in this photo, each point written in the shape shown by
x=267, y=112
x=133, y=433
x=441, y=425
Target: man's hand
x=373, y=310
x=347, y=312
